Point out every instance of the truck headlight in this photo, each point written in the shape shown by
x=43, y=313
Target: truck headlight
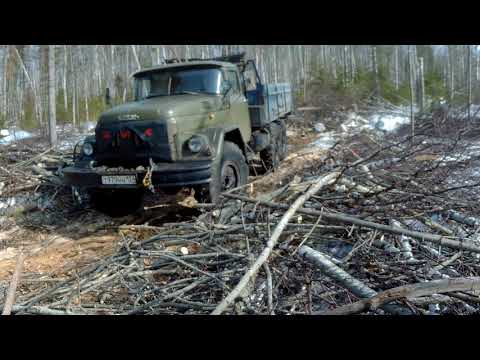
x=87, y=149
x=197, y=144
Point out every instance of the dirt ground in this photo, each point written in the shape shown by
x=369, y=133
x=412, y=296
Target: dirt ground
x=60, y=240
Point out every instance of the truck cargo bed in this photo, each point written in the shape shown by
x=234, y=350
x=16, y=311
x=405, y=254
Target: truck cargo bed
x=269, y=102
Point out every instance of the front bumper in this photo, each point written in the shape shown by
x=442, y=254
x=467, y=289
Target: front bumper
x=163, y=175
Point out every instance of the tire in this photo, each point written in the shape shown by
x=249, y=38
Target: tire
x=117, y=202
x=277, y=150
x=284, y=141
x=230, y=172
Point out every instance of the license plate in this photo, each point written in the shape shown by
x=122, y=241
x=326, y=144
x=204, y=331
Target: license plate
x=119, y=180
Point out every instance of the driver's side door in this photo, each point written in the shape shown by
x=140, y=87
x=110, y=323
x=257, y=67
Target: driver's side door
x=239, y=115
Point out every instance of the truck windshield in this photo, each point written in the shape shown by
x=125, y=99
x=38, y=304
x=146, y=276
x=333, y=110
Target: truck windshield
x=178, y=81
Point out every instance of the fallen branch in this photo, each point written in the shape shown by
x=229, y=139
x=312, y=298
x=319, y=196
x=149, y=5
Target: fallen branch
x=40, y=310
x=321, y=183
x=10, y=298
x=408, y=291
x=343, y=278
x=454, y=244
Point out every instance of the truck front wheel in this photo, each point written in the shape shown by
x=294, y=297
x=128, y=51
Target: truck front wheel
x=231, y=172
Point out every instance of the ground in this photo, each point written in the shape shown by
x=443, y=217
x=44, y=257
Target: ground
x=150, y=261
x=60, y=239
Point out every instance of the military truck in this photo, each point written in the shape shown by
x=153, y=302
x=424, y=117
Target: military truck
x=193, y=123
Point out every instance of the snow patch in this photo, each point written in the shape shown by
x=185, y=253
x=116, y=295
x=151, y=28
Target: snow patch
x=319, y=127
x=15, y=136
x=388, y=122
x=324, y=141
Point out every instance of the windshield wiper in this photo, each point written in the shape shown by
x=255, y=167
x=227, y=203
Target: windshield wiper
x=154, y=95
x=186, y=93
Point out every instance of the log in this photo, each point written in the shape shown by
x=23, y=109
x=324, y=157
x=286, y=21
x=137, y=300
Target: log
x=252, y=271
x=343, y=278
x=12, y=290
x=438, y=239
x=408, y=291
x=40, y=310
x=467, y=220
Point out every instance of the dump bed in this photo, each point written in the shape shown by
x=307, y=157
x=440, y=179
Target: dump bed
x=269, y=102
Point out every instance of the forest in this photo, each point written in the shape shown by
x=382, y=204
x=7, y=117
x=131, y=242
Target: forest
x=81, y=74
x=357, y=194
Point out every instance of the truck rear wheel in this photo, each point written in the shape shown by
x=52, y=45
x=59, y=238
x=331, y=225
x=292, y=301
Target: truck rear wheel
x=283, y=141
x=277, y=150
x=232, y=172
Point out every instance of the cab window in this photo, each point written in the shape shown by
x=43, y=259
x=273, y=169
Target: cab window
x=233, y=78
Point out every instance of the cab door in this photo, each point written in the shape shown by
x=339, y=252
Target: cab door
x=239, y=116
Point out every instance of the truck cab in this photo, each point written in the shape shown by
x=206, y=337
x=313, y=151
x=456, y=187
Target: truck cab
x=191, y=124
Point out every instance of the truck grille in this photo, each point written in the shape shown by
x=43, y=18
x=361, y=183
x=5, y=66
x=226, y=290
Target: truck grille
x=132, y=145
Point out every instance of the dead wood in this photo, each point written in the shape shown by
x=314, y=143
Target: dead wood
x=321, y=183
x=10, y=298
x=408, y=291
x=454, y=244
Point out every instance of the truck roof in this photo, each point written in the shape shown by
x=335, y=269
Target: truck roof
x=184, y=64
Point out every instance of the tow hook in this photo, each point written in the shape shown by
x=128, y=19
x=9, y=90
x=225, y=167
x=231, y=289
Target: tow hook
x=147, y=180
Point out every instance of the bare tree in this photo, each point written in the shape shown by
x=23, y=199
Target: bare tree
x=396, y=71
x=421, y=85
x=469, y=81
x=375, y=70
x=52, y=118
x=412, y=89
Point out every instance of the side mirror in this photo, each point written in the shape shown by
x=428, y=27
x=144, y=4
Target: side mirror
x=108, y=101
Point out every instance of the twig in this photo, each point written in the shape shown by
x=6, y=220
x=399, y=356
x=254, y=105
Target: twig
x=268, y=273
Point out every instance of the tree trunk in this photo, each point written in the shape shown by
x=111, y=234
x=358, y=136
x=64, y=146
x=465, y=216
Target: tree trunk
x=74, y=90
x=352, y=65
x=469, y=82
x=412, y=90
x=87, y=114
x=375, y=71
x=397, y=79
x=275, y=69
x=305, y=75
x=38, y=109
x=112, y=66
x=52, y=116
x=4, y=82
x=477, y=71
x=65, y=96
x=135, y=56
x=421, y=86
x=451, y=92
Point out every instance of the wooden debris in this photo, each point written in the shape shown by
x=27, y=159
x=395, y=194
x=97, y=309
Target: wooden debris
x=10, y=298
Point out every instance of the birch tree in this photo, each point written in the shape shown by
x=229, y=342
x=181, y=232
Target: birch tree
x=469, y=81
x=52, y=118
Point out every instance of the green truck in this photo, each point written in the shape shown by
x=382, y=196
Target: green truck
x=193, y=123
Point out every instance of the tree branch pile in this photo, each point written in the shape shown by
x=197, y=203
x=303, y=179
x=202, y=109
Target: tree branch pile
x=379, y=226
